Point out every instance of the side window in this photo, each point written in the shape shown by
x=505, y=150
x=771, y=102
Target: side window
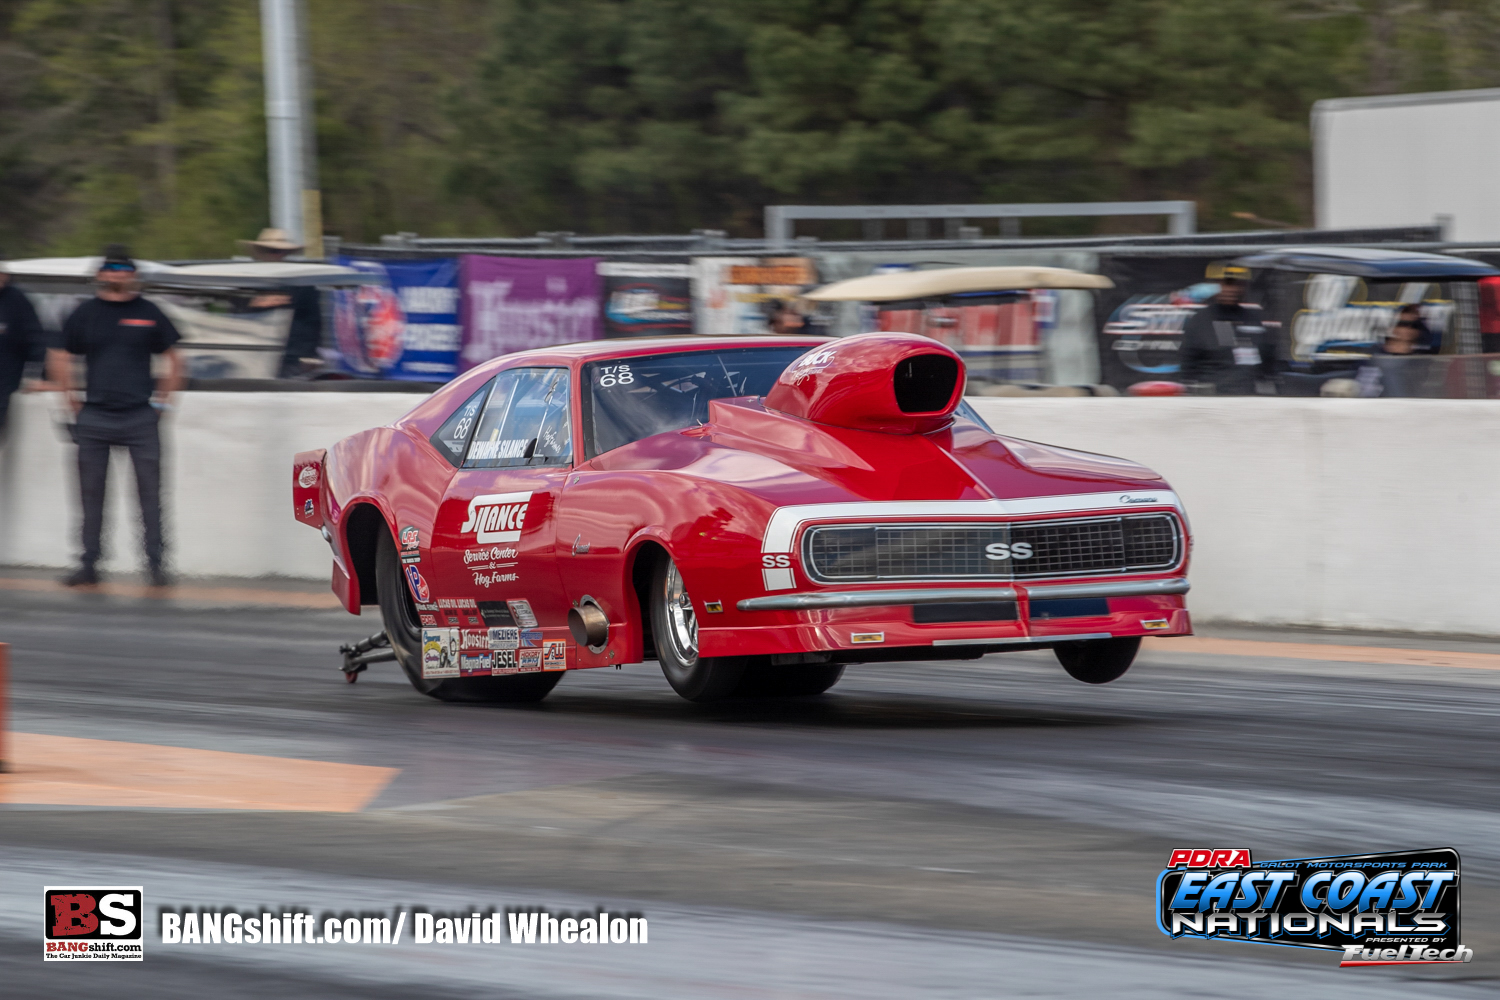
x=525, y=423
x=452, y=439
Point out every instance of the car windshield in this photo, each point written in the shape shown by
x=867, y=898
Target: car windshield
x=627, y=399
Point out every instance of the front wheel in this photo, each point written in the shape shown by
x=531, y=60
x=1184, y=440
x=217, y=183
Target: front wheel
x=1098, y=661
x=674, y=628
x=404, y=629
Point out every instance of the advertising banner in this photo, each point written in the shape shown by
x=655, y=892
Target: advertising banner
x=517, y=303
x=646, y=298
x=1143, y=315
x=730, y=293
x=405, y=329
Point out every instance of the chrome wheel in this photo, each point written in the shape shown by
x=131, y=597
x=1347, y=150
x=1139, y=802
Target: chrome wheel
x=682, y=624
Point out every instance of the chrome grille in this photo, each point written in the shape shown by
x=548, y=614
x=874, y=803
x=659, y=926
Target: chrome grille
x=1077, y=547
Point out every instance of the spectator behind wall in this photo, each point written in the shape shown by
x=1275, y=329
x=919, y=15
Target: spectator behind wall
x=21, y=340
x=1409, y=334
x=1226, y=344
x=306, y=332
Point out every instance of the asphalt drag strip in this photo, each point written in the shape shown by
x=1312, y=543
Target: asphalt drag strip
x=938, y=830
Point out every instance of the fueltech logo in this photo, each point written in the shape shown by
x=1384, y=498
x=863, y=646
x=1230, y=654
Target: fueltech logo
x=497, y=517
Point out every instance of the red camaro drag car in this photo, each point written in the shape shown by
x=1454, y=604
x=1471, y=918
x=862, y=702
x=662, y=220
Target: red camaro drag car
x=752, y=512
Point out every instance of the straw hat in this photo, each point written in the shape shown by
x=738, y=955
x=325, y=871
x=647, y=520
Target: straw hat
x=273, y=239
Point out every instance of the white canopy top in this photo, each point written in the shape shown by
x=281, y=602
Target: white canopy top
x=224, y=274
x=895, y=286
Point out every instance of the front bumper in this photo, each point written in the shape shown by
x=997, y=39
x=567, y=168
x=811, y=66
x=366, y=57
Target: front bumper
x=963, y=595
x=886, y=623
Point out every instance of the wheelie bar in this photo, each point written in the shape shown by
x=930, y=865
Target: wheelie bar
x=359, y=655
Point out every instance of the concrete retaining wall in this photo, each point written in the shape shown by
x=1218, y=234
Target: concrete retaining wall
x=228, y=462
x=1348, y=513
x=1373, y=514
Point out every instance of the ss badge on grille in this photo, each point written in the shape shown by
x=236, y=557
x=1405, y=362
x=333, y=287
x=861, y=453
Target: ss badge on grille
x=1000, y=550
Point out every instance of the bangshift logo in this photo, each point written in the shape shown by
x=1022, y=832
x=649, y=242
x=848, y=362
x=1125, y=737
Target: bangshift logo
x=92, y=924
x=497, y=517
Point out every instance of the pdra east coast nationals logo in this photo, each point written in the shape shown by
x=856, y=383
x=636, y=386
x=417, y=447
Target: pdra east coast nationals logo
x=1375, y=909
x=92, y=923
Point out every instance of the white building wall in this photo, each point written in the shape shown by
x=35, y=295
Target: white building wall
x=1409, y=159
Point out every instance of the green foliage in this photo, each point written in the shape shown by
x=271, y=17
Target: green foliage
x=142, y=120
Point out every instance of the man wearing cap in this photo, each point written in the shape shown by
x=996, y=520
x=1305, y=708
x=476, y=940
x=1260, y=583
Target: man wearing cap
x=20, y=339
x=117, y=333
x=1225, y=344
x=306, y=331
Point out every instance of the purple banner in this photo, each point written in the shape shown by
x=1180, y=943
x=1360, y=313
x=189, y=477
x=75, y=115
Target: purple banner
x=516, y=303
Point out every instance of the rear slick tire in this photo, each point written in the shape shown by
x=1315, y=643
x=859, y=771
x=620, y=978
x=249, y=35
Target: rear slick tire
x=1098, y=661
x=404, y=629
x=674, y=629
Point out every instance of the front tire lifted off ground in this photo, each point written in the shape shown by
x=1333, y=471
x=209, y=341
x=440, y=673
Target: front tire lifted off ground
x=674, y=628
x=1098, y=661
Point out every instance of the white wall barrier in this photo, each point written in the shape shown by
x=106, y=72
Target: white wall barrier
x=227, y=465
x=1349, y=513
x=1345, y=513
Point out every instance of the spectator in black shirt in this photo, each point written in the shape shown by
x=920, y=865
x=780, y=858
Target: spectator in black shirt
x=1225, y=344
x=117, y=333
x=306, y=331
x=20, y=340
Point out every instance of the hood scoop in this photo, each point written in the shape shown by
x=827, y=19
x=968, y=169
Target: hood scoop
x=890, y=383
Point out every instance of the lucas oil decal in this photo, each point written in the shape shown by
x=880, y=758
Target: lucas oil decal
x=497, y=517
x=418, y=585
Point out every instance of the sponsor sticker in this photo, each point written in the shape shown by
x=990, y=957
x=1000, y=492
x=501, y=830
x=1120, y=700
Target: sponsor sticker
x=859, y=638
x=555, y=655
x=308, y=477
x=504, y=660
x=521, y=612
x=475, y=664
x=93, y=923
x=411, y=539
x=439, y=652
x=473, y=640
x=495, y=613
x=528, y=661
x=497, y=517
x=418, y=585
x=531, y=637
x=505, y=638
x=428, y=620
x=307, y=508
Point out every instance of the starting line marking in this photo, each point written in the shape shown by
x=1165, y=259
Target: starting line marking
x=1319, y=651
x=192, y=594
x=70, y=771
